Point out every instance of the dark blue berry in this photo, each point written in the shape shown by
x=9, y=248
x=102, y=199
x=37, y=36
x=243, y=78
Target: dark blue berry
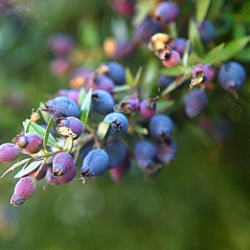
x=160, y=126
x=164, y=81
x=166, y=151
x=118, y=123
x=206, y=30
x=95, y=163
x=102, y=102
x=232, y=76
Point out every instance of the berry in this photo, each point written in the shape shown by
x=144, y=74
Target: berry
x=116, y=152
x=61, y=43
x=164, y=81
x=160, y=126
x=124, y=8
x=118, y=123
x=148, y=108
x=206, y=30
x=232, y=76
x=144, y=153
x=61, y=107
x=203, y=70
x=23, y=190
x=95, y=163
x=195, y=102
x=114, y=71
x=60, y=66
x=179, y=44
x=8, y=152
x=39, y=173
x=62, y=163
x=67, y=177
x=131, y=104
x=102, y=102
x=69, y=126
x=30, y=143
x=166, y=12
x=50, y=178
x=165, y=151
x=71, y=93
x=98, y=81
x=80, y=77
x=169, y=57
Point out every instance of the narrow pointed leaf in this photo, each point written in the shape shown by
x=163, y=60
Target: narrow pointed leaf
x=26, y=170
x=102, y=130
x=202, y=9
x=85, y=107
x=214, y=54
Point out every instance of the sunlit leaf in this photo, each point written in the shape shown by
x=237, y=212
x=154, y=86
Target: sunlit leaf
x=47, y=136
x=103, y=129
x=143, y=8
x=201, y=9
x=214, y=54
x=81, y=96
x=45, y=115
x=186, y=53
x=85, y=107
x=174, y=71
x=68, y=144
x=233, y=48
x=129, y=77
x=31, y=167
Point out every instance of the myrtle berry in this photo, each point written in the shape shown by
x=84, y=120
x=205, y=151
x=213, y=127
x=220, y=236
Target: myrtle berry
x=30, y=143
x=62, y=163
x=232, y=76
x=124, y=8
x=173, y=59
x=118, y=172
x=23, y=190
x=195, y=102
x=118, y=123
x=60, y=66
x=179, y=44
x=165, y=151
x=50, y=178
x=61, y=107
x=39, y=173
x=71, y=93
x=95, y=163
x=69, y=126
x=116, y=151
x=102, y=102
x=114, y=71
x=80, y=77
x=144, y=153
x=61, y=43
x=98, y=81
x=148, y=108
x=8, y=152
x=203, y=70
x=206, y=30
x=160, y=126
x=164, y=81
x=147, y=28
x=131, y=104
x=166, y=12
x=67, y=177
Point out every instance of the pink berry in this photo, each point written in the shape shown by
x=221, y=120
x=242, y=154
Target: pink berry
x=8, y=152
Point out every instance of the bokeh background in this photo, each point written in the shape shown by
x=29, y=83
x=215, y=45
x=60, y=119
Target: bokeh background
x=200, y=201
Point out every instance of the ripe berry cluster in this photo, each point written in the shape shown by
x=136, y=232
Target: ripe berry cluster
x=107, y=120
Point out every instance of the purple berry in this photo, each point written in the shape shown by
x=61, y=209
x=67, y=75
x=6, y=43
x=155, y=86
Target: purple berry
x=102, y=102
x=206, y=30
x=80, y=77
x=30, y=143
x=60, y=66
x=71, y=93
x=124, y=8
x=62, y=163
x=131, y=104
x=61, y=107
x=95, y=163
x=116, y=151
x=179, y=44
x=118, y=123
x=160, y=126
x=69, y=126
x=195, y=102
x=98, y=81
x=67, y=177
x=23, y=190
x=148, y=108
x=205, y=70
x=165, y=151
x=166, y=12
x=173, y=59
x=232, y=76
x=8, y=152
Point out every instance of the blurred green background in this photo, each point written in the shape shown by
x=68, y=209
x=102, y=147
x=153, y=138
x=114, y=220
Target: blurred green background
x=201, y=201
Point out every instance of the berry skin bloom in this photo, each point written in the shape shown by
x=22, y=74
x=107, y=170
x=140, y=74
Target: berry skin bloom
x=95, y=163
x=30, y=143
x=195, y=102
x=62, y=164
x=232, y=76
x=8, y=152
x=67, y=177
x=61, y=107
x=160, y=126
x=118, y=123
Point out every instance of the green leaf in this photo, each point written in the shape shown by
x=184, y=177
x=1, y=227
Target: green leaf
x=214, y=54
x=45, y=115
x=201, y=9
x=215, y=9
x=35, y=128
x=186, y=53
x=47, y=134
x=174, y=71
x=85, y=107
x=139, y=129
x=129, y=77
x=28, y=168
x=16, y=165
x=81, y=96
x=102, y=129
x=195, y=38
x=143, y=8
x=137, y=77
x=233, y=48
x=244, y=55
x=68, y=144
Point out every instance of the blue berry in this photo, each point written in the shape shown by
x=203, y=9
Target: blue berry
x=61, y=107
x=71, y=93
x=62, y=163
x=8, y=152
x=102, y=102
x=160, y=126
x=99, y=81
x=195, y=102
x=179, y=44
x=166, y=151
x=118, y=123
x=206, y=30
x=116, y=151
x=232, y=76
x=144, y=153
x=164, y=81
x=95, y=163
